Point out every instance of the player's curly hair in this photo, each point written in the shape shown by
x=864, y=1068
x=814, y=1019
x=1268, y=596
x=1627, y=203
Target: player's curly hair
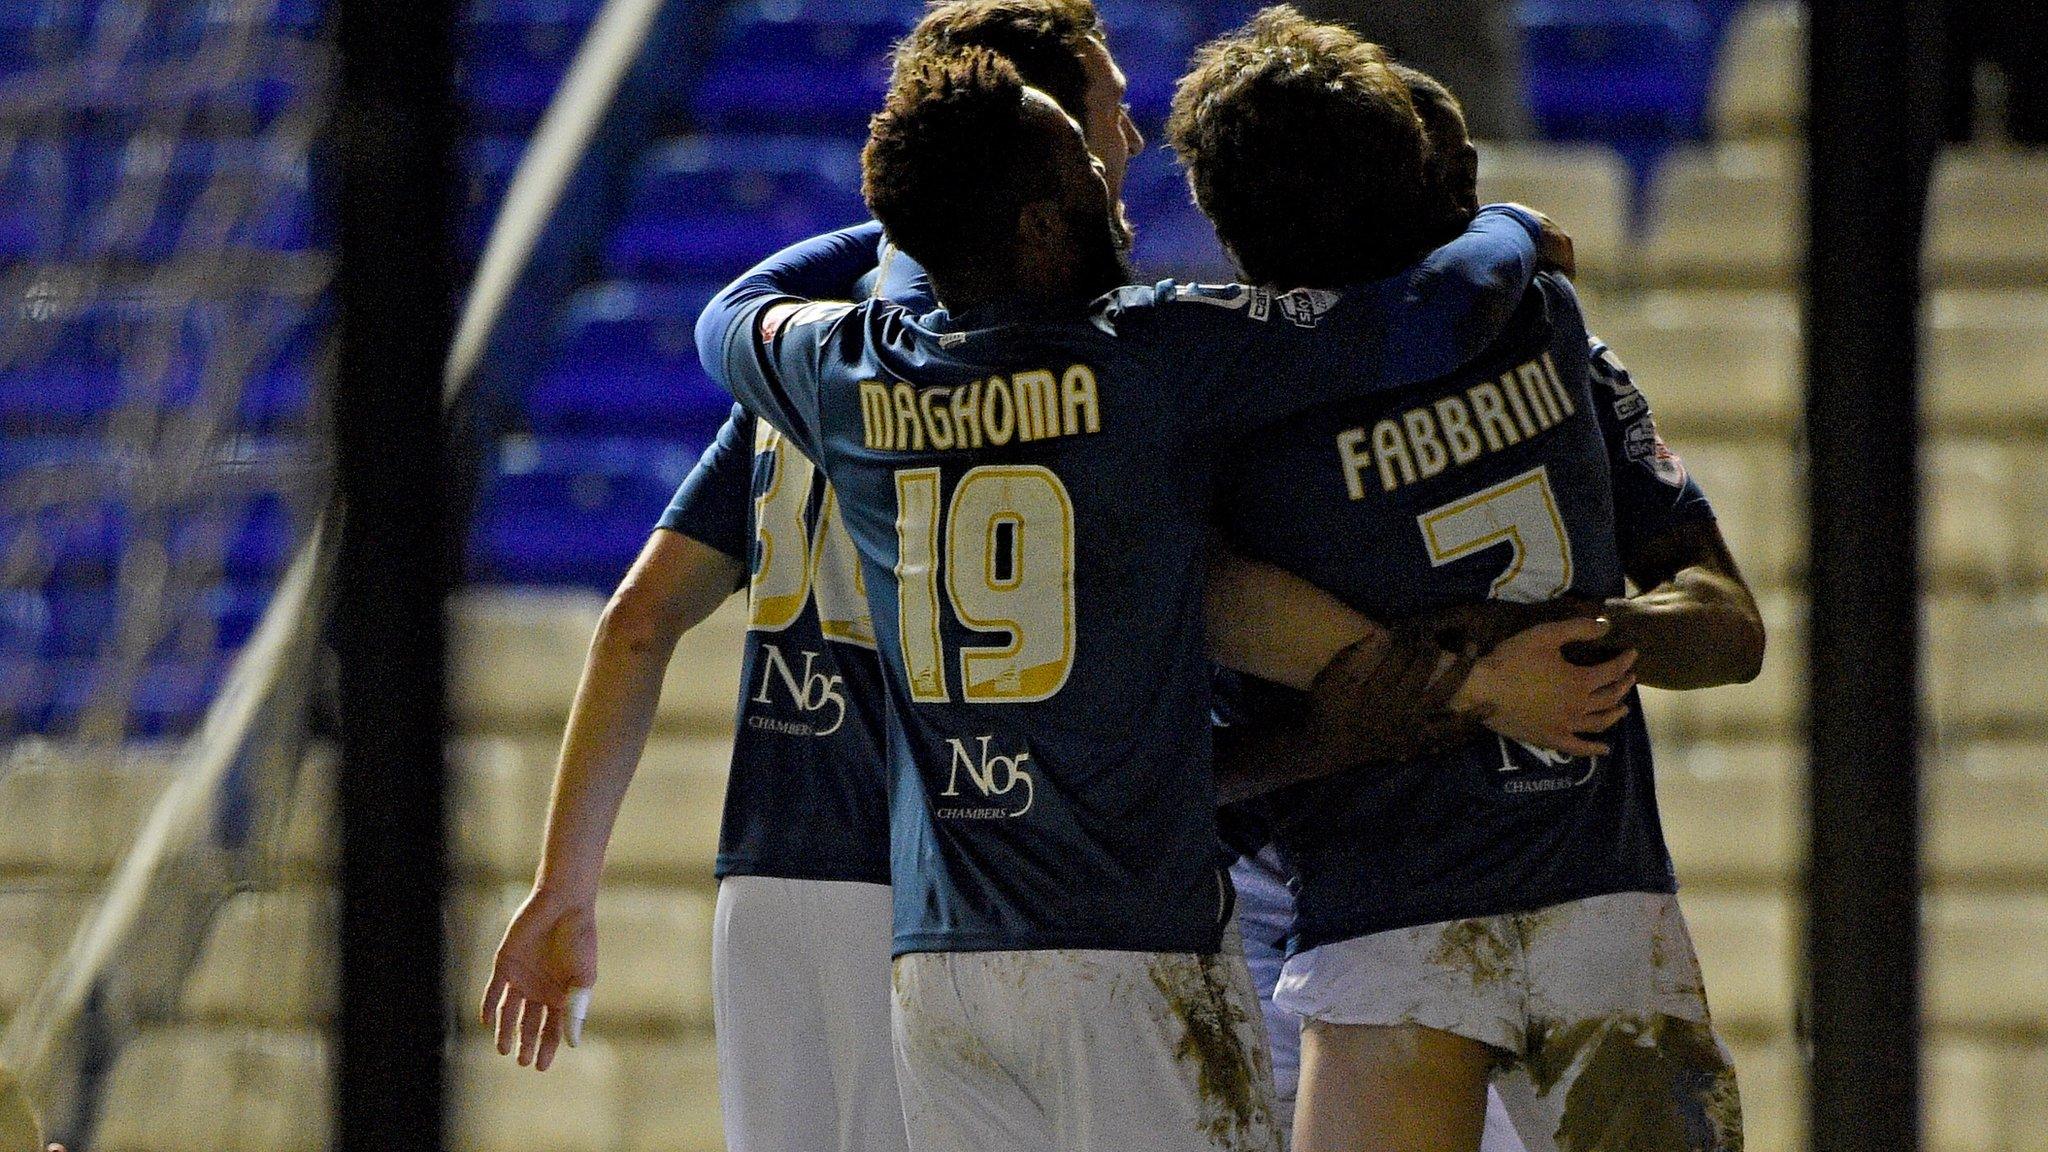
x=1043, y=38
x=951, y=160
x=1304, y=151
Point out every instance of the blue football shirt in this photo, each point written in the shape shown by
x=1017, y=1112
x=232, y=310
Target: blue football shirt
x=806, y=798
x=1026, y=483
x=1530, y=473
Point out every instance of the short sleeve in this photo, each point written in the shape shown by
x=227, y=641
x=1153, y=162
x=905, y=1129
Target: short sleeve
x=774, y=368
x=1653, y=493
x=712, y=506
x=764, y=336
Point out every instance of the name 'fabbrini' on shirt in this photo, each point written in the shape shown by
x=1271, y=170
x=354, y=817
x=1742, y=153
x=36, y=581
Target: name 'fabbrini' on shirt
x=1534, y=472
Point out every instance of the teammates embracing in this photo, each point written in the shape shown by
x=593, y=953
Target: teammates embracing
x=1039, y=530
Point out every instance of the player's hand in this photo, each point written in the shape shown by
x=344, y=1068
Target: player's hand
x=1553, y=246
x=1527, y=688
x=541, y=978
x=1387, y=697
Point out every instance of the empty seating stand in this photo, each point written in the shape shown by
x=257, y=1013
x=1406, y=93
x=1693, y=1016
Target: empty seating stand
x=1689, y=246
x=1985, y=351
x=1986, y=223
x=37, y=918
x=564, y=510
x=1629, y=73
x=1174, y=238
x=1760, y=84
x=625, y=363
x=1587, y=189
x=217, y=1090
x=711, y=206
x=513, y=55
x=811, y=66
x=1727, y=214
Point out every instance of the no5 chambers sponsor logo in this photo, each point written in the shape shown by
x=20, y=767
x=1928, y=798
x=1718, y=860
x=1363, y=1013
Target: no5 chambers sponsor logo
x=1003, y=782
x=811, y=691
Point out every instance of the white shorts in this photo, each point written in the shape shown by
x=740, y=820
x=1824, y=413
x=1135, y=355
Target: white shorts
x=1265, y=917
x=800, y=994
x=1602, y=994
x=1082, y=1051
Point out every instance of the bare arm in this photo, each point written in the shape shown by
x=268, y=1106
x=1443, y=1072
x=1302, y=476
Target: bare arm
x=551, y=945
x=1387, y=695
x=1272, y=624
x=1695, y=624
x=672, y=587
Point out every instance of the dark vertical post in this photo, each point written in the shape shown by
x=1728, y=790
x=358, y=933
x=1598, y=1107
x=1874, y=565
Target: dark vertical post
x=395, y=136
x=1874, y=114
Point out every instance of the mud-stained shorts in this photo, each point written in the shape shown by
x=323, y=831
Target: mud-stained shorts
x=1082, y=1051
x=1596, y=1007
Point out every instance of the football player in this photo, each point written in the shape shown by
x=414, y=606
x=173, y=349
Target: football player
x=801, y=928
x=1501, y=908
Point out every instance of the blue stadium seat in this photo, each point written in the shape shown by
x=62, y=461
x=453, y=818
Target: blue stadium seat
x=281, y=396
x=1174, y=238
x=25, y=691
x=67, y=367
x=1631, y=73
x=513, y=56
x=29, y=462
x=68, y=621
x=625, y=363
x=28, y=624
x=801, y=65
x=712, y=206
x=77, y=540
x=146, y=196
x=126, y=57
x=62, y=366
x=1152, y=43
x=299, y=17
x=185, y=28
x=234, y=610
x=47, y=397
x=32, y=196
x=250, y=537
x=1222, y=16
x=81, y=619
x=37, y=34
x=168, y=698
x=487, y=166
x=574, y=510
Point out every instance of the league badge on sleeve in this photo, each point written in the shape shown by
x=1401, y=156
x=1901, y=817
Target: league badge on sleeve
x=1644, y=446
x=1306, y=306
